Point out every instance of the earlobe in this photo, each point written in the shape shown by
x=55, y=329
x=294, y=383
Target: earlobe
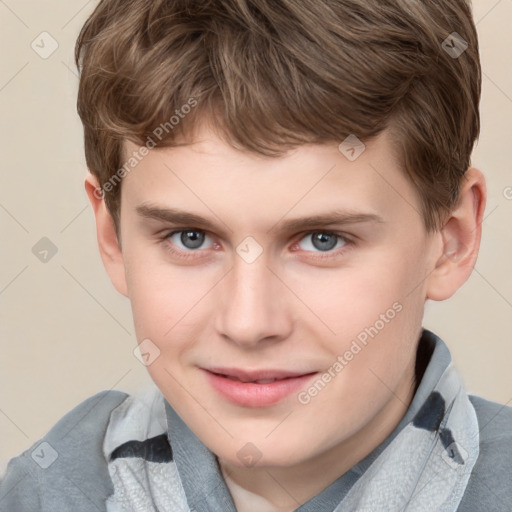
x=108, y=243
x=461, y=234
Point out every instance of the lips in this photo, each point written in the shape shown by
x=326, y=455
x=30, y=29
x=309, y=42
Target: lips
x=255, y=388
x=259, y=376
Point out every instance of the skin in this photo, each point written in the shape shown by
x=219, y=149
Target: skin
x=288, y=309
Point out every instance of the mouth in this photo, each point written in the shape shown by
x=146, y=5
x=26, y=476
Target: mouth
x=256, y=388
x=259, y=381
x=263, y=376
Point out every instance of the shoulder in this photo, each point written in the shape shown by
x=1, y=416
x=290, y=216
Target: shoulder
x=66, y=467
x=490, y=485
x=494, y=418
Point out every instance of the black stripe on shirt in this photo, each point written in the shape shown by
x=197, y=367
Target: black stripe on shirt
x=155, y=449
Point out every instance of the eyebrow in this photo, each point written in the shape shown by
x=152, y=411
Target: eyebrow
x=189, y=219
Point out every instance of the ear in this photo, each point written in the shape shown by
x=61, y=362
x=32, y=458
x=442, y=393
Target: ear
x=461, y=235
x=110, y=248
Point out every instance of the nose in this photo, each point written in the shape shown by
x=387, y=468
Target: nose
x=253, y=305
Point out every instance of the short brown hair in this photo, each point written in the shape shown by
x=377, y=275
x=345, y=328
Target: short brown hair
x=274, y=74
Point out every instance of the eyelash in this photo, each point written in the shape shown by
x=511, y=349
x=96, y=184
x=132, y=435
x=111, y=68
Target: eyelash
x=349, y=243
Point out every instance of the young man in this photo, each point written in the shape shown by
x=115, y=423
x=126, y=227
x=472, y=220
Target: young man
x=279, y=186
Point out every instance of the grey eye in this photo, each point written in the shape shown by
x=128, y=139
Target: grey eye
x=190, y=239
x=322, y=241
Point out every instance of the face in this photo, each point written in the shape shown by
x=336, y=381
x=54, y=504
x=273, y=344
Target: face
x=303, y=276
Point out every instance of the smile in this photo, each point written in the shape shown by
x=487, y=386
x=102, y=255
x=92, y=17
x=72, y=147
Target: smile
x=258, y=388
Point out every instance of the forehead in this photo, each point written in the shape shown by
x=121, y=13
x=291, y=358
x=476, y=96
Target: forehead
x=212, y=178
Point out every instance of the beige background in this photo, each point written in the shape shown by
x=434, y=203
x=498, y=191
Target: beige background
x=66, y=333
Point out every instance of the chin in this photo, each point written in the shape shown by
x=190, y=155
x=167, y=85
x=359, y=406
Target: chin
x=246, y=455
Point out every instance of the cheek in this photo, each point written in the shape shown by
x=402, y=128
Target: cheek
x=348, y=299
x=374, y=312
x=169, y=304
x=157, y=294
x=153, y=306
